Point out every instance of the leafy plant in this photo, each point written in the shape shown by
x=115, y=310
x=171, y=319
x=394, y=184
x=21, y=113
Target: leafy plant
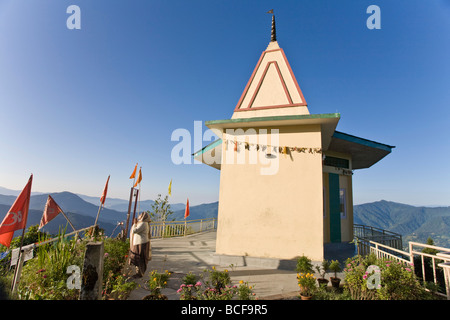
x=218, y=285
x=245, y=291
x=335, y=266
x=304, y=265
x=190, y=287
x=44, y=277
x=118, y=286
x=323, y=268
x=190, y=278
x=356, y=278
x=397, y=281
x=115, y=256
x=218, y=279
x=157, y=281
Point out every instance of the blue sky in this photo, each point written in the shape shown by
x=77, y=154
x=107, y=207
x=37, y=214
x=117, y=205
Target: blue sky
x=79, y=105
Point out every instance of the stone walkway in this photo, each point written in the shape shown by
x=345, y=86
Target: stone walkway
x=195, y=253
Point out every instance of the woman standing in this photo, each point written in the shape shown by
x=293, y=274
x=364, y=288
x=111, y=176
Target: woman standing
x=140, y=247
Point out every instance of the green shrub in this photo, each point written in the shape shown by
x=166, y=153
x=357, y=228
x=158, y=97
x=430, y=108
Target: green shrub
x=118, y=287
x=335, y=266
x=157, y=281
x=304, y=265
x=245, y=291
x=218, y=279
x=217, y=285
x=190, y=287
x=45, y=277
x=397, y=281
x=115, y=255
x=356, y=278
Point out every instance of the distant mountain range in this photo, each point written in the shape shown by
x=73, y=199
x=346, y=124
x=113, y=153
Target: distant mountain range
x=122, y=205
x=413, y=223
x=82, y=212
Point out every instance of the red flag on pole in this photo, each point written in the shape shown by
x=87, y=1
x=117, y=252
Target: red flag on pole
x=51, y=211
x=105, y=191
x=16, y=218
x=186, y=212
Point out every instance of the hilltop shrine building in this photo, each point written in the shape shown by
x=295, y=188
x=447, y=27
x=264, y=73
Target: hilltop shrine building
x=285, y=174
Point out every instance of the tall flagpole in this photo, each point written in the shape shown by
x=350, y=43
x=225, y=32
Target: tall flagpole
x=137, y=192
x=67, y=218
x=135, y=203
x=129, y=211
x=98, y=213
x=130, y=202
x=18, y=268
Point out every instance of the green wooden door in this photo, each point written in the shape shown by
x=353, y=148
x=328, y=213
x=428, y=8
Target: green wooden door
x=335, y=208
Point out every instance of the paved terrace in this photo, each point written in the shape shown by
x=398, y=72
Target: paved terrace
x=195, y=253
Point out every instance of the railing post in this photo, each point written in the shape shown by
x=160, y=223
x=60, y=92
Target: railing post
x=446, y=268
x=411, y=255
x=163, y=229
x=423, y=268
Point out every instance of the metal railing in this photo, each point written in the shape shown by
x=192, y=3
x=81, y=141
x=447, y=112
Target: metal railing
x=442, y=254
x=166, y=229
x=367, y=233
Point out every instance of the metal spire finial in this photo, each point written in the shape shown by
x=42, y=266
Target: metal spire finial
x=273, y=36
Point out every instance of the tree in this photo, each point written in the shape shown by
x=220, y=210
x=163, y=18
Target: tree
x=160, y=209
x=430, y=250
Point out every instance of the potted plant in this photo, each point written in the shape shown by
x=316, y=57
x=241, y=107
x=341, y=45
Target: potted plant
x=304, y=265
x=323, y=270
x=307, y=284
x=157, y=282
x=335, y=266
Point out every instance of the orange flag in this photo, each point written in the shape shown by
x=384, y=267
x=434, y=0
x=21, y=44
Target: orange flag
x=16, y=218
x=105, y=191
x=133, y=175
x=186, y=212
x=5, y=238
x=139, y=178
x=51, y=211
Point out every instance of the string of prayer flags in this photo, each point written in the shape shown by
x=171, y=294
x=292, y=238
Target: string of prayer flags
x=280, y=149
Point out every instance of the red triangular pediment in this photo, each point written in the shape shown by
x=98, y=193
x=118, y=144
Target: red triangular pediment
x=272, y=84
